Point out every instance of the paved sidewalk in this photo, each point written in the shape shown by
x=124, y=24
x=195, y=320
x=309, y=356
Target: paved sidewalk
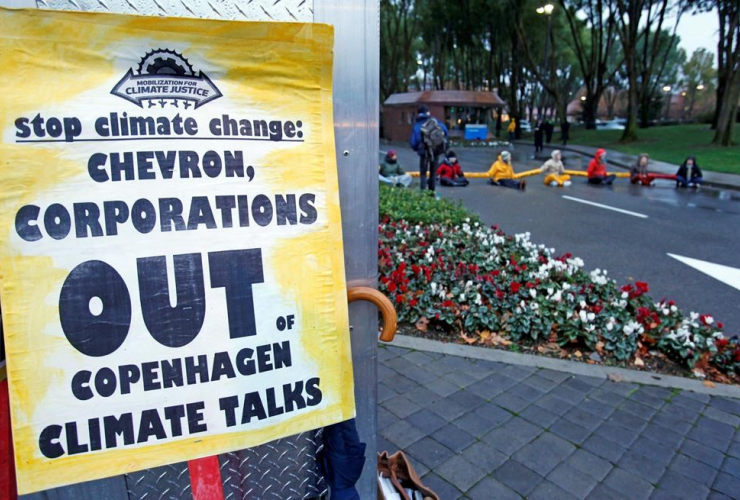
x=626, y=161
x=479, y=429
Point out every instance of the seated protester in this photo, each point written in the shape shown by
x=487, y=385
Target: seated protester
x=554, y=171
x=502, y=173
x=450, y=172
x=597, y=170
x=689, y=174
x=639, y=172
x=391, y=171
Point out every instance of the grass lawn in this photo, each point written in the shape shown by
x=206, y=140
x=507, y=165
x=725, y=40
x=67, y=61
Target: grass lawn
x=671, y=144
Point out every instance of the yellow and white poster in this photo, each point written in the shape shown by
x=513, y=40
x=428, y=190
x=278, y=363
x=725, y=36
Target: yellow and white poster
x=171, y=263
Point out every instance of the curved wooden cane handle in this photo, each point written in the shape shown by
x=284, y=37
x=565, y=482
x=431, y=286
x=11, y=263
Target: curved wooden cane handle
x=390, y=320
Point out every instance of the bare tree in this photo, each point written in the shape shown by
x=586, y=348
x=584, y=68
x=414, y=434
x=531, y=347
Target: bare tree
x=592, y=41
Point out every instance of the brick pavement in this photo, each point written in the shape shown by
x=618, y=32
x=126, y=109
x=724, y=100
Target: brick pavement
x=485, y=430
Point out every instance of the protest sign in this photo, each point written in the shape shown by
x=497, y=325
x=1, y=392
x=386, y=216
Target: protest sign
x=171, y=253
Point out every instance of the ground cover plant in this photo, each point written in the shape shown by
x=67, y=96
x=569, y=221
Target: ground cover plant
x=447, y=273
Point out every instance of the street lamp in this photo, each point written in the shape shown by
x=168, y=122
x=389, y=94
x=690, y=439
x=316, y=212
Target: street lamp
x=700, y=87
x=546, y=10
x=667, y=90
x=583, y=97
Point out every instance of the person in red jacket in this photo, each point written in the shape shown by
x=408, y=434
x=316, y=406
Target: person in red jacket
x=597, y=170
x=450, y=172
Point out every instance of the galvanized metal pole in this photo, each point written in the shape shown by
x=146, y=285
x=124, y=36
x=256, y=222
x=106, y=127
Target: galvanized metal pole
x=356, y=114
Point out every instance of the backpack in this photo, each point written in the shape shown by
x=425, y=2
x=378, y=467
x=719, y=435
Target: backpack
x=433, y=136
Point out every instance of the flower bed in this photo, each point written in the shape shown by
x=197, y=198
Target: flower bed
x=478, y=285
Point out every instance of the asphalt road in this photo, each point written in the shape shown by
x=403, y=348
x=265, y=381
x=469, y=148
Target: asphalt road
x=703, y=225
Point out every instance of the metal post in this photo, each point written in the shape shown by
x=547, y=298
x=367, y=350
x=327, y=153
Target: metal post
x=356, y=114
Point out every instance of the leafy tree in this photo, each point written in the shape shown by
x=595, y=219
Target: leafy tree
x=398, y=30
x=699, y=70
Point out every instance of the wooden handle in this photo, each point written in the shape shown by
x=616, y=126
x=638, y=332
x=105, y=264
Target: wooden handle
x=390, y=320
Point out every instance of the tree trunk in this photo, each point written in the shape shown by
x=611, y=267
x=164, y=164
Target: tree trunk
x=726, y=117
x=630, y=129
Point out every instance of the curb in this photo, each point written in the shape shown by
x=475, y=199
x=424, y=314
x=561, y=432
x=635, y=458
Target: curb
x=619, y=164
x=561, y=365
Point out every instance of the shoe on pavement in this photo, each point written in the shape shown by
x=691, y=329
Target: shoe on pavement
x=553, y=183
x=567, y=183
x=523, y=185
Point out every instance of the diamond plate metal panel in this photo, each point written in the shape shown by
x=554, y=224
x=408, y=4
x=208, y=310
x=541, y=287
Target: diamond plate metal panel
x=171, y=482
x=240, y=10
x=285, y=469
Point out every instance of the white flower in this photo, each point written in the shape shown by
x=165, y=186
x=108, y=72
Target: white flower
x=462, y=297
x=434, y=287
x=558, y=296
x=674, y=308
x=583, y=315
x=533, y=292
x=550, y=291
x=666, y=312
x=625, y=295
x=478, y=300
x=582, y=304
x=708, y=320
x=591, y=316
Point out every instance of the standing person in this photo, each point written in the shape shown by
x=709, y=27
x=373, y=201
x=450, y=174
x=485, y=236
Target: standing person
x=391, y=171
x=639, y=172
x=538, y=136
x=597, y=170
x=512, y=129
x=502, y=173
x=689, y=174
x=554, y=171
x=450, y=171
x=549, y=129
x=565, y=132
x=428, y=139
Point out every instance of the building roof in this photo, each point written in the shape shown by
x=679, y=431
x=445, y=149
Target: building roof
x=446, y=97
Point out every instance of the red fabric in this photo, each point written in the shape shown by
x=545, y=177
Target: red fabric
x=448, y=171
x=8, y=488
x=205, y=479
x=596, y=167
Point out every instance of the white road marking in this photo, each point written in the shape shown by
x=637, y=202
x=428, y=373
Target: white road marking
x=634, y=214
x=726, y=274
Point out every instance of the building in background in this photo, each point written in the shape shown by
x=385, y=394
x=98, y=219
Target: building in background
x=457, y=108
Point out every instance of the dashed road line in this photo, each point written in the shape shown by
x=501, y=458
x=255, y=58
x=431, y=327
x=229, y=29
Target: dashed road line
x=607, y=207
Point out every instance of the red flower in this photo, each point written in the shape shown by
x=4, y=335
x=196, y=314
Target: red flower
x=671, y=303
x=720, y=326
x=721, y=343
x=413, y=302
x=642, y=287
x=529, y=284
x=500, y=294
x=391, y=287
x=515, y=286
x=495, y=272
x=597, y=308
x=400, y=299
x=437, y=316
x=736, y=356
x=448, y=303
x=627, y=288
x=416, y=269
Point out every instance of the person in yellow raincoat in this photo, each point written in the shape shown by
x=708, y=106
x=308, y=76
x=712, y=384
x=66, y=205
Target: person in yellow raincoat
x=554, y=171
x=502, y=173
x=512, y=129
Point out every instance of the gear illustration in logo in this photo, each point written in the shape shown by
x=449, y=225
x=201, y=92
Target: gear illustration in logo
x=165, y=62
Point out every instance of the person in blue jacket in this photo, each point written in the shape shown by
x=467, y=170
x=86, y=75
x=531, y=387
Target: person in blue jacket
x=427, y=156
